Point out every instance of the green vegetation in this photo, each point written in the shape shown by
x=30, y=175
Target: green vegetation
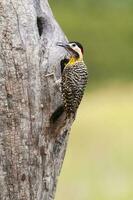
x=106, y=30
x=99, y=159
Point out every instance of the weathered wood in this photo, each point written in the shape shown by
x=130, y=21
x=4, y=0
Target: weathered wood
x=31, y=152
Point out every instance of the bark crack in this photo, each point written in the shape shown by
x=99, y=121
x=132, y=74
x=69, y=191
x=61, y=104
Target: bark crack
x=40, y=25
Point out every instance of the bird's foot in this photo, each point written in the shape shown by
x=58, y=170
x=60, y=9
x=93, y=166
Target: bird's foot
x=57, y=82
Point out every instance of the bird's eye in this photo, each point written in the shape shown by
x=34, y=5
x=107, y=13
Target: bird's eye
x=73, y=45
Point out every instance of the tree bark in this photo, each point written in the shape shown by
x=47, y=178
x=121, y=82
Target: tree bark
x=31, y=150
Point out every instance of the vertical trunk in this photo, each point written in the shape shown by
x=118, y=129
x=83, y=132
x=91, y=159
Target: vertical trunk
x=31, y=152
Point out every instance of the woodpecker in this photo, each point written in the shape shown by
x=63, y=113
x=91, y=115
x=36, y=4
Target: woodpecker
x=73, y=80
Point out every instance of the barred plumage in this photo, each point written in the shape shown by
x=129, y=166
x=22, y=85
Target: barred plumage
x=74, y=80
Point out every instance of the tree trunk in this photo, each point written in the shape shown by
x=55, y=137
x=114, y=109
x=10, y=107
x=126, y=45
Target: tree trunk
x=31, y=150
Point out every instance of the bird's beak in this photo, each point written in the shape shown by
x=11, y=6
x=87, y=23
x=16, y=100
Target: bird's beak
x=65, y=45
x=68, y=48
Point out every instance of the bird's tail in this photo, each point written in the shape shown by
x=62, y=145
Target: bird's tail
x=56, y=114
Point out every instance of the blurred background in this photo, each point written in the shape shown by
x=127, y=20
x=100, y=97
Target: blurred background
x=99, y=159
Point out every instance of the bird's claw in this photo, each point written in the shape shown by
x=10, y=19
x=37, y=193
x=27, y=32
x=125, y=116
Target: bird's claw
x=57, y=82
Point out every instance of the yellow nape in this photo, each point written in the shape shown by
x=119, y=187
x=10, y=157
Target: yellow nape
x=73, y=60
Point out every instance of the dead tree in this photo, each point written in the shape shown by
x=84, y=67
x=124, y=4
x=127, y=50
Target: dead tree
x=31, y=151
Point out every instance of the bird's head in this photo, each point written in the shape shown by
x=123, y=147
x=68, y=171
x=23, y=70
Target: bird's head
x=75, y=49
